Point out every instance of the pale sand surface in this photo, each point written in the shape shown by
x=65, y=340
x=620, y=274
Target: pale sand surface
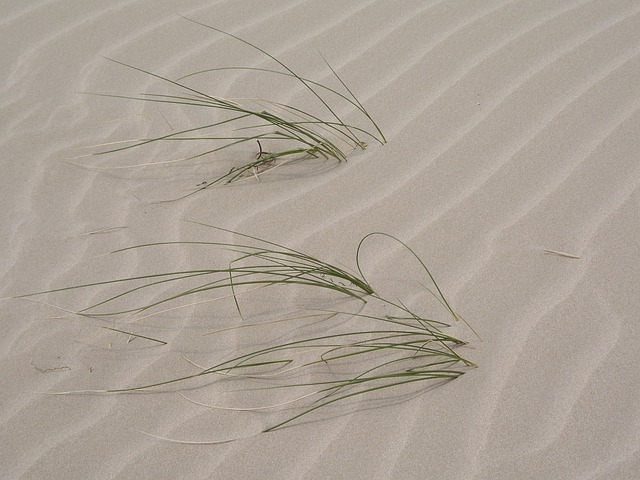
x=513, y=127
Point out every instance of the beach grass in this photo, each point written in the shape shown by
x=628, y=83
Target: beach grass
x=356, y=352
x=280, y=132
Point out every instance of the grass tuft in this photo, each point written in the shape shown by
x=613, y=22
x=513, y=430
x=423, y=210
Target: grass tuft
x=380, y=345
x=287, y=132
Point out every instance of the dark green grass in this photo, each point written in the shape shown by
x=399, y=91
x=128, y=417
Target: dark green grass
x=380, y=351
x=286, y=132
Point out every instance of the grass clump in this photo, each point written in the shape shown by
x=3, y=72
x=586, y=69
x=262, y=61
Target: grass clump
x=380, y=345
x=287, y=132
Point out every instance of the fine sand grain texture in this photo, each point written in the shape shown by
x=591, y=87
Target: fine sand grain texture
x=511, y=169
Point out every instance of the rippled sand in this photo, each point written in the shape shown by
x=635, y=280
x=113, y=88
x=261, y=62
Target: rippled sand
x=513, y=127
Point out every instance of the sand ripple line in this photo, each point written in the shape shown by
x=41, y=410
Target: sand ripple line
x=574, y=96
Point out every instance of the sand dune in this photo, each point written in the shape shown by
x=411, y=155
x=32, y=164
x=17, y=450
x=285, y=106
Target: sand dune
x=512, y=127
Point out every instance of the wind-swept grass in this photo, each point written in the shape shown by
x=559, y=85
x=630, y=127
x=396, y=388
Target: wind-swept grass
x=375, y=347
x=287, y=132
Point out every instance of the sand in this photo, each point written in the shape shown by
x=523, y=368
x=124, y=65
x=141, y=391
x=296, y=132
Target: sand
x=512, y=126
